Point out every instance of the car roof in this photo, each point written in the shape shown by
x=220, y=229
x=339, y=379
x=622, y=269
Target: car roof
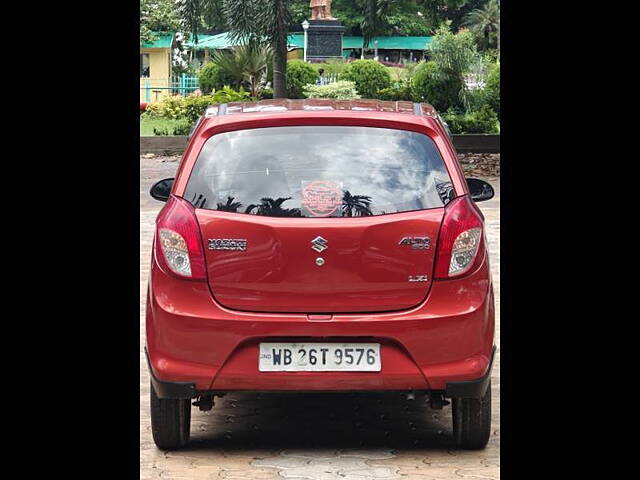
x=283, y=105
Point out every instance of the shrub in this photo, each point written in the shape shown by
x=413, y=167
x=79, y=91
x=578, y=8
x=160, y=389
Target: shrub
x=244, y=65
x=192, y=107
x=161, y=131
x=299, y=74
x=369, y=76
x=169, y=107
x=482, y=121
x=227, y=94
x=431, y=85
x=475, y=99
x=492, y=89
x=331, y=67
x=341, y=90
x=266, y=93
x=182, y=127
x=212, y=77
x=397, y=92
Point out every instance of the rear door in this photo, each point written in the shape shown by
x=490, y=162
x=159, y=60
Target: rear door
x=319, y=219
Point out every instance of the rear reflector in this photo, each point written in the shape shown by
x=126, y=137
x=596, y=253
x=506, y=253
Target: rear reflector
x=178, y=242
x=460, y=238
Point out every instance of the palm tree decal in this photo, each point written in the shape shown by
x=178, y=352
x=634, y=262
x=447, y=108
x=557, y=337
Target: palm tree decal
x=355, y=205
x=445, y=190
x=199, y=202
x=230, y=206
x=273, y=208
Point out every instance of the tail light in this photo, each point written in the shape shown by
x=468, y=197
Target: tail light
x=460, y=239
x=178, y=242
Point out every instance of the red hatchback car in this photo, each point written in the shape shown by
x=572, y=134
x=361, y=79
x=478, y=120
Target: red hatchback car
x=320, y=245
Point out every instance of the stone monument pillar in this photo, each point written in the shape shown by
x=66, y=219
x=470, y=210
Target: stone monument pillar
x=324, y=37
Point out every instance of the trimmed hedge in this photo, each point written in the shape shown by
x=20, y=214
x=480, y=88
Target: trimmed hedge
x=369, y=76
x=299, y=74
x=341, y=90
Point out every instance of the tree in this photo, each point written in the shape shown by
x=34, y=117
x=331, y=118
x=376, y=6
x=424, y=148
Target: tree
x=244, y=64
x=383, y=17
x=263, y=21
x=440, y=11
x=484, y=23
x=157, y=16
x=457, y=15
x=454, y=54
x=249, y=21
x=374, y=19
x=190, y=12
x=197, y=16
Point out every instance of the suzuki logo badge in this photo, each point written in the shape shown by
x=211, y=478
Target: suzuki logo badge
x=319, y=244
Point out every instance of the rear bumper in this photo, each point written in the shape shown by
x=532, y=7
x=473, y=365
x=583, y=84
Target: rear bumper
x=195, y=345
x=465, y=389
x=170, y=389
x=471, y=388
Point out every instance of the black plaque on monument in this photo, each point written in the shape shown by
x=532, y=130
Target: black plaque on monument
x=324, y=40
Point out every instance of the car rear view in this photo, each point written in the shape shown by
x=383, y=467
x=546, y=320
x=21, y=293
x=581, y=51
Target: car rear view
x=320, y=249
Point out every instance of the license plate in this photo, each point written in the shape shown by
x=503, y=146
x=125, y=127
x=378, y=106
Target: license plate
x=319, y=357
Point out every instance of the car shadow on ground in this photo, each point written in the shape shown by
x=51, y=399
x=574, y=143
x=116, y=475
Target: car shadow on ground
x=243, y=421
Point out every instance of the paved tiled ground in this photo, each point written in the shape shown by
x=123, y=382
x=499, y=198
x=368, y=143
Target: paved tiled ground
x=319, y=436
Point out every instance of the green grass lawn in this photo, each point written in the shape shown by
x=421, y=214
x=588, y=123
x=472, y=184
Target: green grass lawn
x=148, y=124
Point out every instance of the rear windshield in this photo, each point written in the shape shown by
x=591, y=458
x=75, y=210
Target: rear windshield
x=319, y=171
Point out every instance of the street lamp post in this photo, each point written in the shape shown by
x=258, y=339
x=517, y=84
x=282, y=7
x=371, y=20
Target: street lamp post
x=305, y=27
x=375, y=43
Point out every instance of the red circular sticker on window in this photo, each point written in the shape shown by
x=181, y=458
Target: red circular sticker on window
x=322, y=198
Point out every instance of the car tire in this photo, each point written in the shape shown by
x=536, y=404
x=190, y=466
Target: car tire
x=472, y=421
x=170, y=421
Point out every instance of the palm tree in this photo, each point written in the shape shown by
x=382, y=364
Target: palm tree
x=485, y=24
x=245, y=64
x=195, y=14
x=230, y=206
x=249, y=21
x=355, y=205
x=263, y=21
x=255, y=70
x=273, y=208
x=374, y=19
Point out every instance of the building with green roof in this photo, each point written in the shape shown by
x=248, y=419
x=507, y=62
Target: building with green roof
x=392, y=49
x=155, y=66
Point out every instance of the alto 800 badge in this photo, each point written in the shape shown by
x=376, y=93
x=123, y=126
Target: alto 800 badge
x=416, y=243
